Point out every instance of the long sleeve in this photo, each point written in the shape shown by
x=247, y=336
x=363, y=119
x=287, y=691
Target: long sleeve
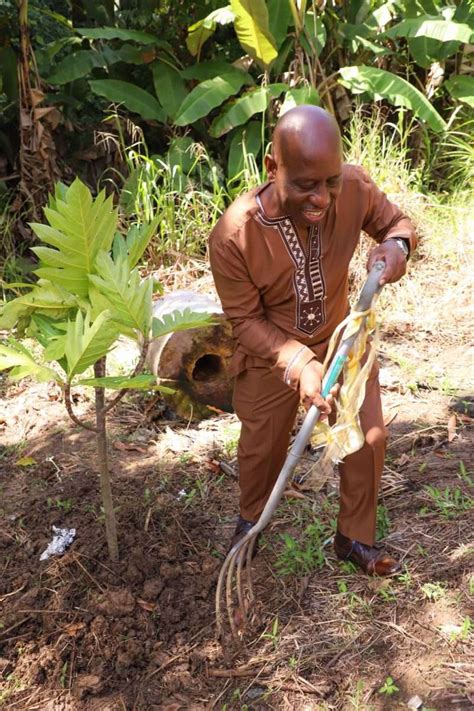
x=242, y=305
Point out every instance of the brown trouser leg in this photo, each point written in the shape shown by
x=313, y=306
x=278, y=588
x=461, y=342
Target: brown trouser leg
x=267, y=409
x=361, y=472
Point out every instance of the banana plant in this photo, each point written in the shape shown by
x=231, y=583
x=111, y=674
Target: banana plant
x=89, y=292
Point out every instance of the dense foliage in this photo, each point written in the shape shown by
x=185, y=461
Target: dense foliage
x=227, y=71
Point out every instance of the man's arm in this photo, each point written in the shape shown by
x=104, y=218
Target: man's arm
x=387, y=224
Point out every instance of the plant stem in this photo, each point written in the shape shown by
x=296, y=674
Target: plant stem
x=105, y=487
x=137, y=371
x=70, y=411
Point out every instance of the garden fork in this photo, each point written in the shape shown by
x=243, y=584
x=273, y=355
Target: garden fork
x=240, y=555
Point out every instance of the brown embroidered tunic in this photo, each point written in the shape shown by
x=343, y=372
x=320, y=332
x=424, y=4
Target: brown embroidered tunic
x=283, y=293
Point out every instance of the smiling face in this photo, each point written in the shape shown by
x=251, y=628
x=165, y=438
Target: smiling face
x=305, y=167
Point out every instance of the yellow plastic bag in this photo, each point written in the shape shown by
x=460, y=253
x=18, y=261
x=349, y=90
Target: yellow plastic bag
x=345, y=436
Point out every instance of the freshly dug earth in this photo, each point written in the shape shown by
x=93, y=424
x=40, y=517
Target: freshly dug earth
x=78, y=633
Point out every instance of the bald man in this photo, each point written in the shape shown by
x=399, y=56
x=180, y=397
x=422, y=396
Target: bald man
x=280, y=257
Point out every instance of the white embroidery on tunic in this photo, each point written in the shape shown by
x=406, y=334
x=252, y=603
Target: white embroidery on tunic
x=308, y=280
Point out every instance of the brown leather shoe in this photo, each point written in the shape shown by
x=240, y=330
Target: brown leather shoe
x=371, y=559
x=241, y=529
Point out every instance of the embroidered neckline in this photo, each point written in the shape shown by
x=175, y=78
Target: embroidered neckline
x=308, y=279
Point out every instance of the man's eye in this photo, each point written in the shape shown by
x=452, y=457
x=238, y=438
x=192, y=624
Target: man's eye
x=334, y=181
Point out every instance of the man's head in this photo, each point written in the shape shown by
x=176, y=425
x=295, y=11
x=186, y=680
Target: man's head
x=305, y=165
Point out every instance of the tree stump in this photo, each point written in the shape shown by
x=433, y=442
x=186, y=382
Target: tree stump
x=194, y=362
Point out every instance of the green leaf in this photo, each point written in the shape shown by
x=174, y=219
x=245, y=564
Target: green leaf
x=138, y=239
x=52, y=336
x=214, y=68
x=426, y=26
x=180, y=321
x=279, y=13
x=245, y=107
x=75, y=66
x=206, y=96
x=200, y=31
x=253, y=32
x=299, y=95
x=43, y=298
x=316, y=30
x=461, y=87
x=87, y=341
x=385, y=85
x=138, y=382
x=169, y=87
x=129, y=297
x=109, y=33
x=79, y=228
x=246, y=139
x=23, y=363
x=131, y=96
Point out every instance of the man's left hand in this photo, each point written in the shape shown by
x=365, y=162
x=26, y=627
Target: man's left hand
x=394, y=258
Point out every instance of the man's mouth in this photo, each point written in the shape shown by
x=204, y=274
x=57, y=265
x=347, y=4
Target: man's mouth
x=313, y=214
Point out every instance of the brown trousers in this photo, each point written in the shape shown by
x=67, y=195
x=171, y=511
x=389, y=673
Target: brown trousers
x=267, y=409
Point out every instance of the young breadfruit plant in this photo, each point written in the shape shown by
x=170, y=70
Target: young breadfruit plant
x=88, y=293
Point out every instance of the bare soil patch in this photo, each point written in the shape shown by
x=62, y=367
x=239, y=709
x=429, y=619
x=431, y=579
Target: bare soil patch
x=79, y=634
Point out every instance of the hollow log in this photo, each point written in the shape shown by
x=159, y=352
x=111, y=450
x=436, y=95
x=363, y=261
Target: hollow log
x=194, y=362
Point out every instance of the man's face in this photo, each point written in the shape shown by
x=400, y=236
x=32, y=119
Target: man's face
x=305, y=186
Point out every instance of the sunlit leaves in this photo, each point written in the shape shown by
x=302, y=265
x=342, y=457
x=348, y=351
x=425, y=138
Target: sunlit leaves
x=381, y=84
x=78, y=228
x=253, y=32
x=207, y=96
x=88, y=340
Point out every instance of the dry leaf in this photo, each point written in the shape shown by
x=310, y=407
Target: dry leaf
x=293, y=494
x=148, y=606
x=402, y=460
x=73, y=628
x=451, y=428
x=129, y=447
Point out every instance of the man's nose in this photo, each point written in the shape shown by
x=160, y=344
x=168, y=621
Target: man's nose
x=320, y=196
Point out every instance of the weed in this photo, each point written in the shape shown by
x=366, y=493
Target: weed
x=62, y=676
x=450, y=502
x=406, y=579
x=471, y=585
x=383, y=522
x=60, y=504
x=293, y=663
x=300, y=558
x=354, y=601
x=464, y=476
x=387, y=593
x=273, y=635
x=433, y=591
x=389, y=687
x=356, y=699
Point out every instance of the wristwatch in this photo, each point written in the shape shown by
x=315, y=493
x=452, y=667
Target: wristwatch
x=402, y=244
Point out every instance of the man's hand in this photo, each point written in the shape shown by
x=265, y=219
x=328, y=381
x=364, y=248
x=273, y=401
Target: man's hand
x=394, y=258
x=310, y=388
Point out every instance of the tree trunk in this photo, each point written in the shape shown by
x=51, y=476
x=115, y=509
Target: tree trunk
x=103, y=463
x=38, y=169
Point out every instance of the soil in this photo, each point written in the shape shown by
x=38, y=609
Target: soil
x=80, y=633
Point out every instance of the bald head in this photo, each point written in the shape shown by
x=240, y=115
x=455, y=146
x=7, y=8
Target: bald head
x=305, y=166
x=304, y=132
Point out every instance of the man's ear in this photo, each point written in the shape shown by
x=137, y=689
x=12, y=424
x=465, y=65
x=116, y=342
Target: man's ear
x=271, y=166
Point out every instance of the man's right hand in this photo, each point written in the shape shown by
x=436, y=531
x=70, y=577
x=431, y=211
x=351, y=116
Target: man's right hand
x=311, y=378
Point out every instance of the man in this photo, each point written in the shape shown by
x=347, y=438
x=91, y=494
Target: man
x=280, y=256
